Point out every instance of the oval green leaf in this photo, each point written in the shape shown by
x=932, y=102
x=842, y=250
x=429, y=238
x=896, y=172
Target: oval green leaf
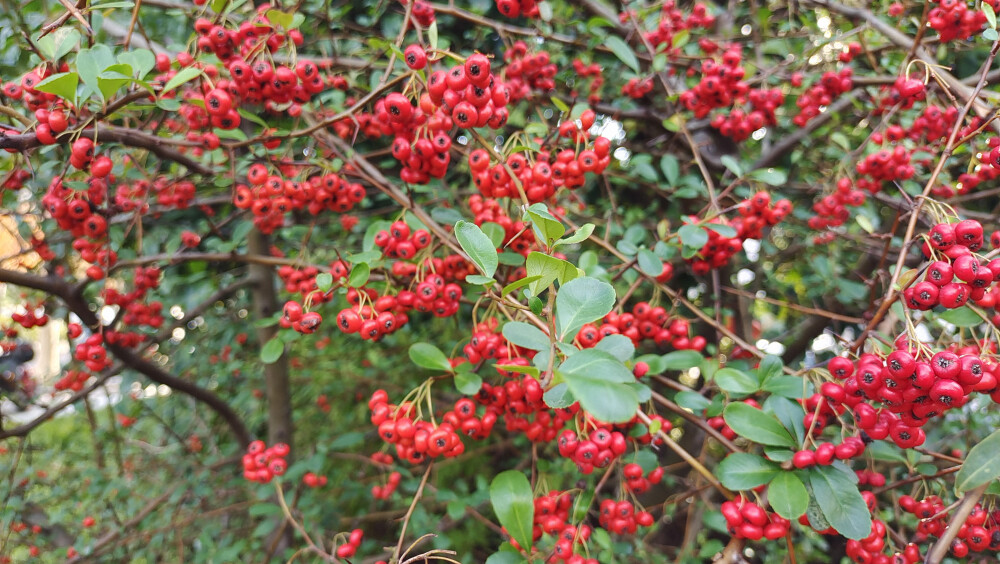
x=510, y=494
x=840, y=501
x=744, y=471
x=752, y=423
x=581, y=301
x=982, y=465
x=478, y=246
x=428, y=356
x=735, y=382
x=788, y=496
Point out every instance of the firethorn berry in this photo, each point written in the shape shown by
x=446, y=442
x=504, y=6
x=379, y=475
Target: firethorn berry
x=415, y=57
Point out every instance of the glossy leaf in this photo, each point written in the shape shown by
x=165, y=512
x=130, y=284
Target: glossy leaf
x=513, y=503
x=744, y=471
x=582, y=301
x=428, y=356
x=840, y=501
x=478, y=246
x=788, y=496
x=982, y=464
x=526, y=335
x=622, y=50
x=754, y=424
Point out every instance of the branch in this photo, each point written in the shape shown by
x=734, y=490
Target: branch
x=130, y=137
x=130, y=358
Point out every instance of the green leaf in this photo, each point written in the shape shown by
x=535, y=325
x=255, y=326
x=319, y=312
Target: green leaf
x=548, y=269
x=168, y=104
x=754, y=424
x=526, y=335
x=788, y=496
x=962, y=317
x=682, y=360
x=991, y=34
x=618, y=346
x=595, y=361
x=283, y=19
x=272, y=350
x=744, y=471
x=982, y=464
x=789, y=387
x=478, y=246
x=769, y=367
x=113, y=78
x=140, y=60
x=693, y=236
x=671, y=168
x=91, y=62
x=359, y=275
x=428, y=356
x=724, y=230
x=735, y=382
x=559, y=396
x=559, y=104
x=513, y=503
x=219, y=5
x=790, y=413
x=578, y=236
x=581, y=301
x=478, y=279
x=649, y=262
x=621, y=50
x=184, y=75
x=732, y=164
x=324, y=281
x=546, y=226
x=692, y=400
x=991, y=16
x=63, y=85
x=610, y=402
x=840, y=501
x=502, y=557
x=432, y=35
x=770, y=176
x=517, y=284
x=495, y=232
x=468, y=383
x=58, y=43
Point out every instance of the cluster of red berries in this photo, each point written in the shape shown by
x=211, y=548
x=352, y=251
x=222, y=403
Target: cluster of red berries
x=33, y=316
x=262, y=463
x=738, y=125
x=303, y=280
x=516, y=237
x=636, y=87
x=911, y=385
x=399, y=242
x=520, y=401
x=386, y=491
x=312, y=480
x=92, y=354
x=25, y=89
x=720, y=86
x=717, y=251
x=960, y=276
x=884, y=166
x=831, y=210
x=903, y=93
x=747, y=520
x=423, y=11
x=73, y=380
x=350, y=548
x=516, y=8
x=980, y=531
x=601, y=447
x=826, y=453
x=621, y=517
x=821, y=94
x=644, y=322
x=637, y=481
x=591, y=75
x=453, y=268
x=849, y=52
x=757, y=213
x=269, y=196
x=528, y=70
x=552, y=517
x=381, y=315
x=294, y=316
x=953, y=19
x=673, y=20
x=415, y=440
